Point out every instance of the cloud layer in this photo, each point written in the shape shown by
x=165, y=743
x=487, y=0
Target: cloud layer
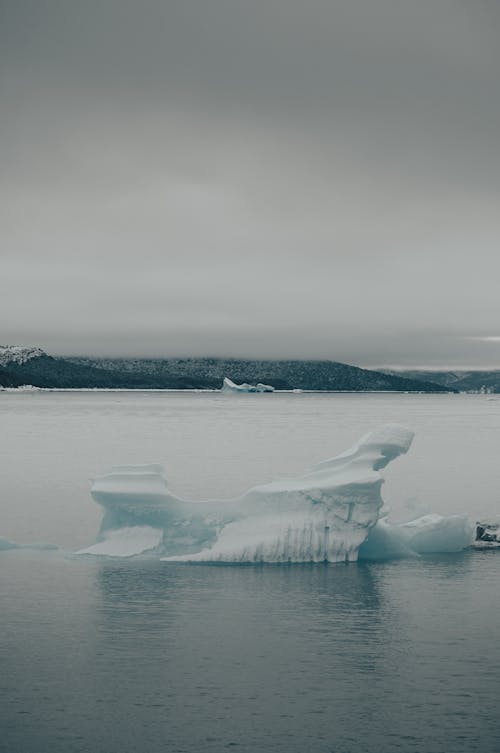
x=260, y=179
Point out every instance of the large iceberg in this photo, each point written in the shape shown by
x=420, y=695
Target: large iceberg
x=324, y=515
x=229, y=386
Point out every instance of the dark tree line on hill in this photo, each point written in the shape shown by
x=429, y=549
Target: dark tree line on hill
x=203, y=373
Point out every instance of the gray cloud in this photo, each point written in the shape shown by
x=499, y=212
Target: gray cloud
x=263, y=178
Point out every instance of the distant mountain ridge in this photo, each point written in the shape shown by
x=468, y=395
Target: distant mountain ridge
x=30, y=365
x=281, y=374
x=460, y=380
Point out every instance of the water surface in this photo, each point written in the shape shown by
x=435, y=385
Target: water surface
x=122, y=656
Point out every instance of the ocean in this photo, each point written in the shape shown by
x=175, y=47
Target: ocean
x=138, y=655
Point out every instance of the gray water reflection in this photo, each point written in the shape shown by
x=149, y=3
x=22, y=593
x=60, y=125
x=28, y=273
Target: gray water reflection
x=246, y=656
x=312, y=657
x=149, y=656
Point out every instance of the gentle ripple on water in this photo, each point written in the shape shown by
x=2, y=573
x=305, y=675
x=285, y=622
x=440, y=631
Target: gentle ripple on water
x=136, y=656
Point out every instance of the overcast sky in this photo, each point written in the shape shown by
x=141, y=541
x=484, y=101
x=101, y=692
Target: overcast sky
x=272, y=178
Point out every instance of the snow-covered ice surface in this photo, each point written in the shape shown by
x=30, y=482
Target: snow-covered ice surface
x=229, y=386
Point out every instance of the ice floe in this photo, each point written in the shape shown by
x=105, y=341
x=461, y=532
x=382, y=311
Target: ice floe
x=429, y=534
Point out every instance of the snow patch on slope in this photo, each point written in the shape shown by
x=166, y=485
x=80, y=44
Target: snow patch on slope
x=18, y=354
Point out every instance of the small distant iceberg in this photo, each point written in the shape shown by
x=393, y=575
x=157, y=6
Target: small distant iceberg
x=229, y=386
x=6, y=544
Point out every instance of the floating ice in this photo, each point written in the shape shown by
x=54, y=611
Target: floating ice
x=6, y=544
x=229, y=386
x=426, y=535
x=323, y=515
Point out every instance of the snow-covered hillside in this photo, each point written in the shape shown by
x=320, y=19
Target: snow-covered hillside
x=18, y=354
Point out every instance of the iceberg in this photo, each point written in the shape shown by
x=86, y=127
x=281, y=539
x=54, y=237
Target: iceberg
x=229, y=386
x=6, y=544
x=323, y=515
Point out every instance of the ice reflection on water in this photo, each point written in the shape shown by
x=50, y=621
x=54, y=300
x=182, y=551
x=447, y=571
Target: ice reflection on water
x=126, y=656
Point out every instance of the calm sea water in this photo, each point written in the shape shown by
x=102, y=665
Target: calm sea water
x=122, y=656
